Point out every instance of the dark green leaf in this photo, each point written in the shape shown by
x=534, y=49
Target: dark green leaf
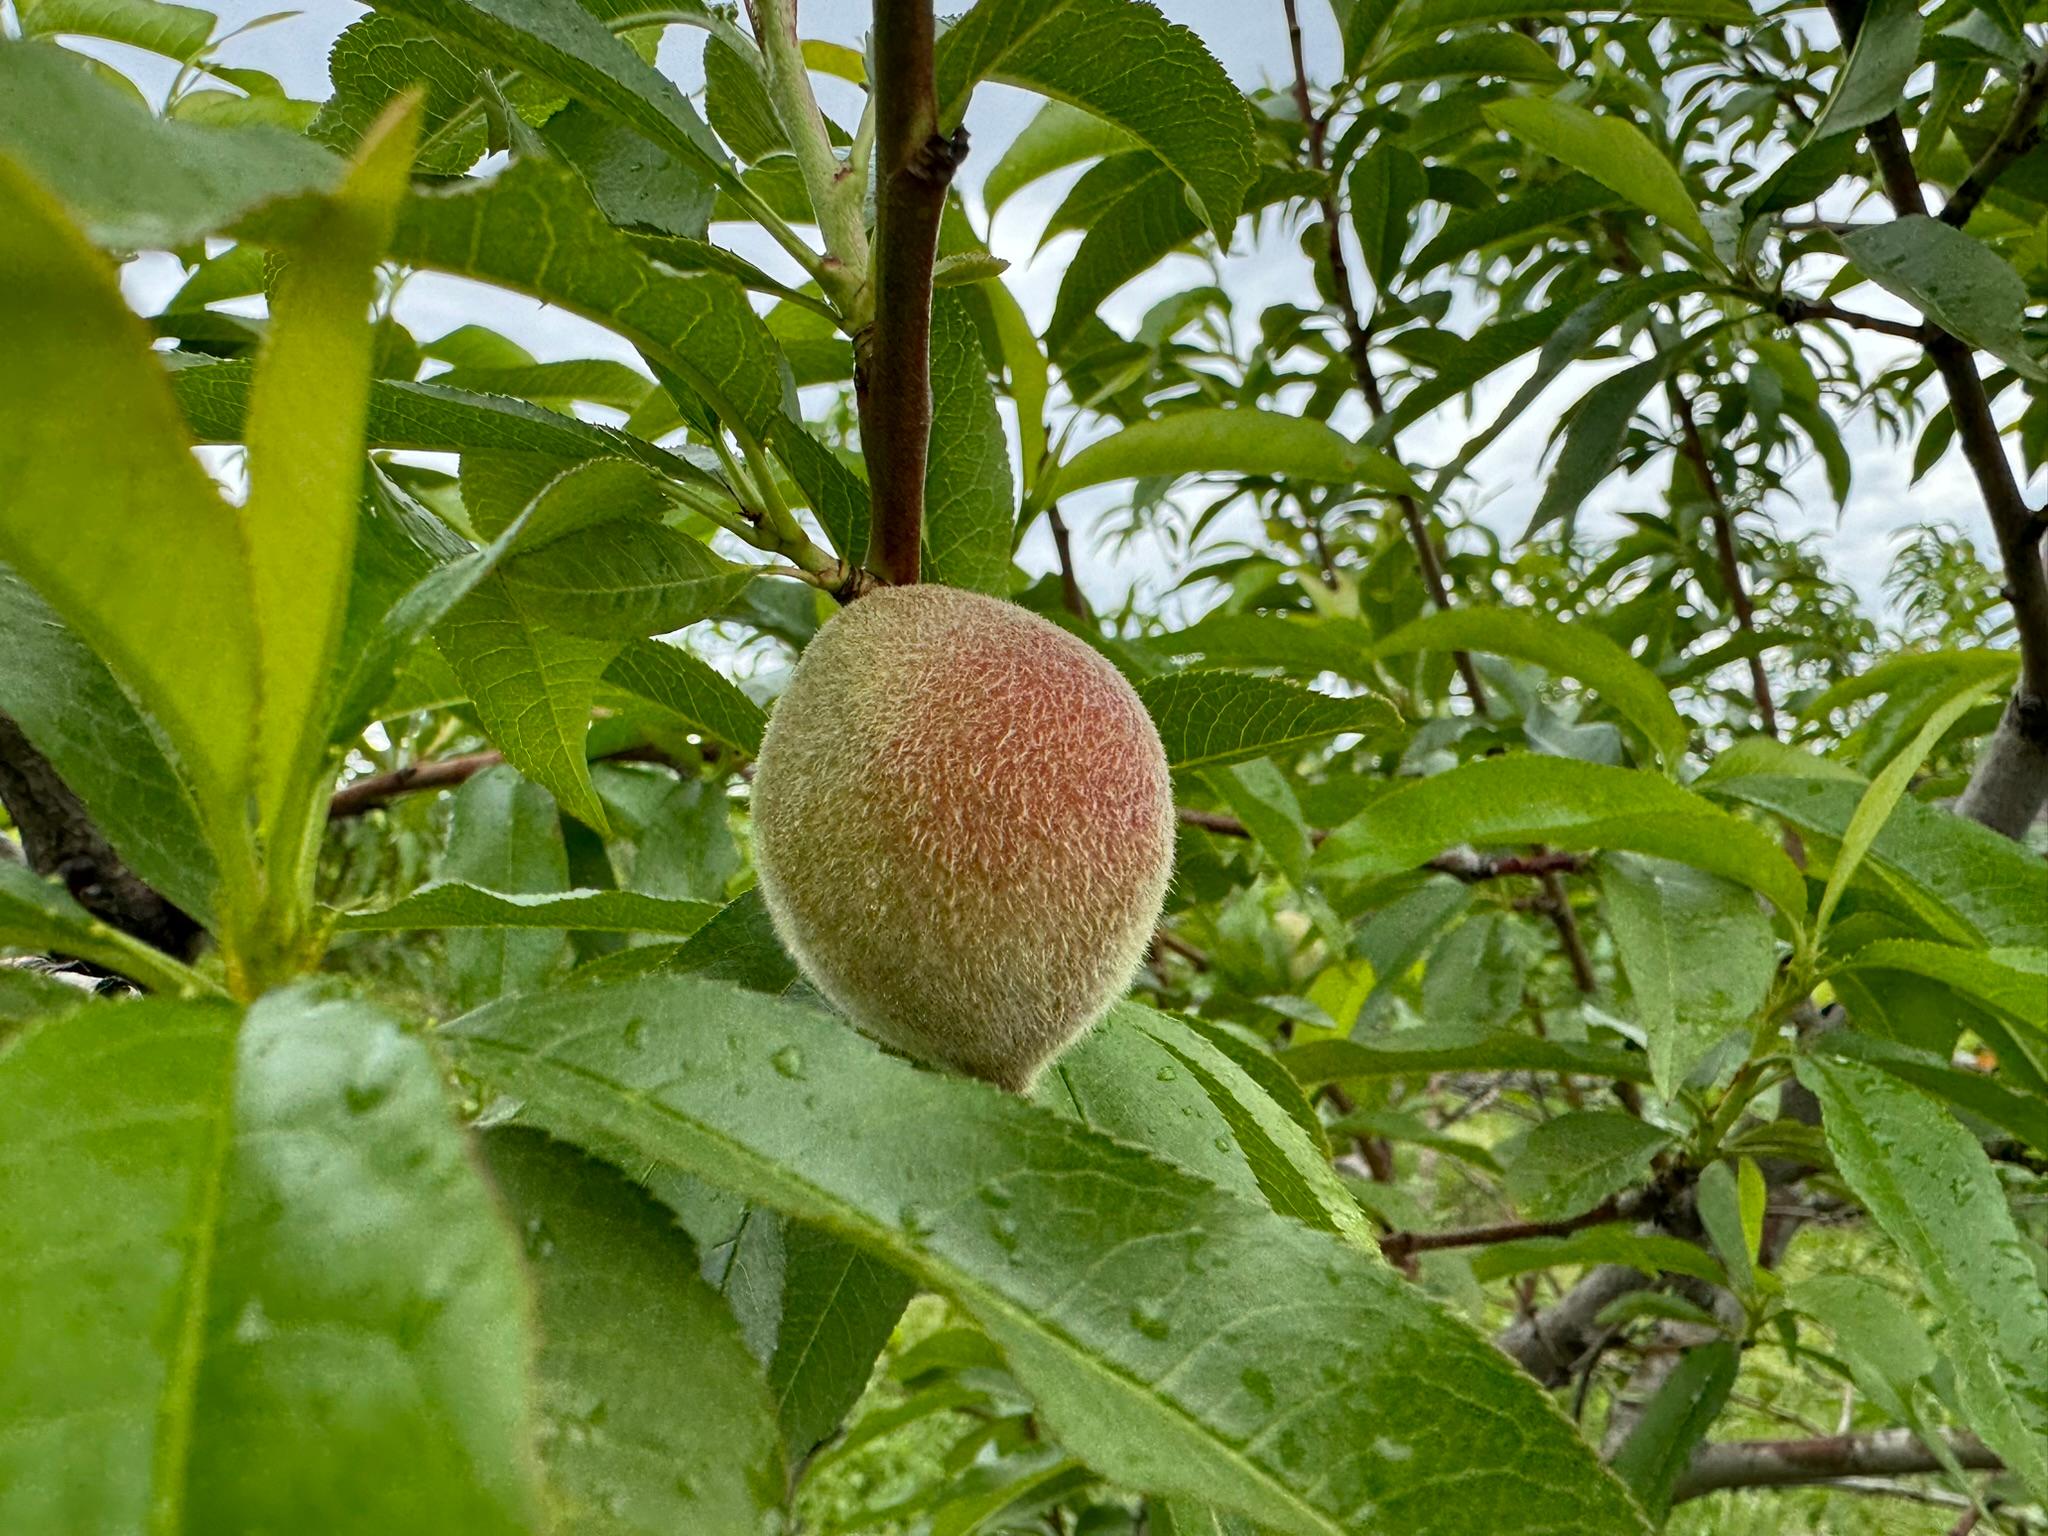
x=653, y=1418
x=1698, y=954
x=1931, y=1188
x=1570, y=1164
x=1209, y=718
x=970, y=493
x=455, y=904
x=1954, y=279
x=1126, y=64
x=1152, y=1368
x=1675, y=1421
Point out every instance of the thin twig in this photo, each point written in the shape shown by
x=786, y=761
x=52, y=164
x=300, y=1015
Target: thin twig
x=374, y=791
x=1399, y=1246
x=892, y=346
x=1358, y=336
x=1792, y=310
x=1694, y=449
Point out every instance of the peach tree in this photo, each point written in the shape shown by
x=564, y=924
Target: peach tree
x=1590, y=1069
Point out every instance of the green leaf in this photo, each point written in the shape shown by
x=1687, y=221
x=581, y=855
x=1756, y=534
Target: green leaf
x=38, y=914
x=1301, y=644
x=1211, y=440
x=304, y=432
x=678, y=685
x=1383, y=189
x=164, y=600
x=305, y=1312
x=1059, y=136
x=1209, y=718
x=562, y=43
x=175, y=31
x=1453, y=1048
x=1954, y=279
x=1935, y=1194
x=70, y=707
x=653, y=1418
x=1611, y=150
x=1964, y=881
x=533, y=687
x=1151, y=1367
x=2023, y=1116
x=837, y=496
x=1721, y=1213
x=1651, y=1252
x=377, y=57
x=1259, y=795
x=1124, y=63
x=133, y=181
x=534, y=229
x=623, y=580
x=1886, y=1347
x=504, y=836
x=1698, y=954
x=1885, y=792
x=1564, y=339
x=1496, y=802
x=1503, y=55
x=2012, y=981
x=838, y=1307
x=1145, y=217
x=1439, y=15
x=456, y=904
x=1675, y=1421
x=1154, y=1080
x=1574, y=650
x=970, y=494
x=1593, y=441
x=432, y=417
x=1873, y=82
x=1564, y=1166
x=1527, y=213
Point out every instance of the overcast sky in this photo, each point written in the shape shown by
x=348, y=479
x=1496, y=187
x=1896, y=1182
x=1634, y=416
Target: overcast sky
x=1249, y=37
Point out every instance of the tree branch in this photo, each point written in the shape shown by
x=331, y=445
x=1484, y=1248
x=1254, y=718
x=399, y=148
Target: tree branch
x=1400, y=1246
x=374, y=791
x=1548, y=1344
x=2010, y=784
x=1358, y=335
x=1793, y=310
x=892, y=346
x=58, y=838
x=1694, y=449
x=1791, y=1463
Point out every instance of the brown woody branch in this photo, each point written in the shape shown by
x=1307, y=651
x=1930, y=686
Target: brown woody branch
x=1358, y=337
x=58, y=838
x=1822, y=1459
x=374, y=791
x=892, y=350
x=2010, y=784
x=1793, y=309
x=1399, y=1247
